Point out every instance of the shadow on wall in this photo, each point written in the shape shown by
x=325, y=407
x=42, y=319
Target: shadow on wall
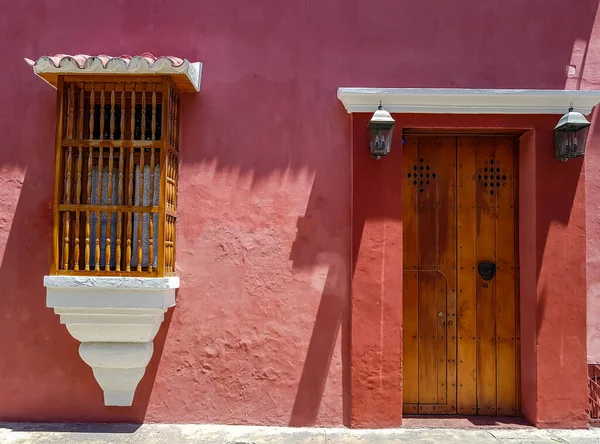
x=273, y=72
x=267, y=162
x=332, y=315
x=560, y=281
x=559, y=201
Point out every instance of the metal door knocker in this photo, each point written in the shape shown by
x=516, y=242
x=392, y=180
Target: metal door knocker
x=487, y=270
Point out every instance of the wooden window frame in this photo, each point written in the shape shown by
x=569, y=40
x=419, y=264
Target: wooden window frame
x=71, y=237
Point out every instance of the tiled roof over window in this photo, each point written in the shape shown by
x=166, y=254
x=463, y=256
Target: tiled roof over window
x=185, y=74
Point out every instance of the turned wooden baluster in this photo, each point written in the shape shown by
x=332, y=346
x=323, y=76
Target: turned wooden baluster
x=170, y=243
x=110, y=177
x=173, y=110
x=175, y=180
x=76, y=252
x=68, y=174
x=172, y=250
x=171, y=236
x=169, y=113
x=100, y=171
x=65, y=234
x=120, y=189
x=89, y=182
x=175, y=167
x=173, y=173
x=143, y=116
x=141, y=190
x=172, y=143
x=167, y=182
x=167, y=244
x=151, y=215
x=130, y=187
x=176, y=123
x=175, y=157
x=170, y=181
x=174, y=240
x=102, y=113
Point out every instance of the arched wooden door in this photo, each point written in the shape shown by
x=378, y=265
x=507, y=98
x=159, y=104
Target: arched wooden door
x=460, y=300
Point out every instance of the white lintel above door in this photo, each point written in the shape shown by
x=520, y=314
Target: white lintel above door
x=467, y=101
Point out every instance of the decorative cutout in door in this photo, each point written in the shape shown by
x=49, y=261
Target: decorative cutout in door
x=492, y=177
x=421, y=175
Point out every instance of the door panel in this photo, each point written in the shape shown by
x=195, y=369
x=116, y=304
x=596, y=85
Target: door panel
x=446, y=187
x=428, y=260
x=506, y=313
x=467, y=277
x=486, y=292
x=410, y=254
x=427, y=216
x=460, y=351
x=428, y=333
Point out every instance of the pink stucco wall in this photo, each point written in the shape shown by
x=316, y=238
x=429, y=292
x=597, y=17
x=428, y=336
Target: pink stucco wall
x=588, y=53
x=260, y=333
x=592, y=168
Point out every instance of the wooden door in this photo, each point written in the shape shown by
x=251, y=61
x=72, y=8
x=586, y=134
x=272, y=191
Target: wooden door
x=460, y=351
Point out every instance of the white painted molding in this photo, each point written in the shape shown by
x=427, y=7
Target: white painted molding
x=467, y=101
x=116, y=320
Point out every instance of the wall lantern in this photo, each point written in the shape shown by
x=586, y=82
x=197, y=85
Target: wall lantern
x=382, y=127
x=570, y=135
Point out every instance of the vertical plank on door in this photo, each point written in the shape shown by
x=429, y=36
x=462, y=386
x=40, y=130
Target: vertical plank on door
x=428, y=281
x=486, y=290
x=410, y=292
x=467, y=304
x=505, y=278
x=446, y=186
x=433, y=177
x=515, y=178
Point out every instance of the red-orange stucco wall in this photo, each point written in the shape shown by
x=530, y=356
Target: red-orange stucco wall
x=261, y=333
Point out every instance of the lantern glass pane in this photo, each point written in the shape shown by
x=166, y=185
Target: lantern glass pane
x=581, y=141
x=381, y=141
x=570, y=144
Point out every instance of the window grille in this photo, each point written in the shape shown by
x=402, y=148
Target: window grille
x=116, y=177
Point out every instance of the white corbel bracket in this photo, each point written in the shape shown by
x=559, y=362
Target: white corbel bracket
x=116, y=320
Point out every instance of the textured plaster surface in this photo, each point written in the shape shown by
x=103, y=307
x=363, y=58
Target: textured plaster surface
x=260, y=334
x=592, y=166
x=528, y=273
x=376, y=353
x=560, y=300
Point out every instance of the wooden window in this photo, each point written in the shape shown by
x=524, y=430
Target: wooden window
x=115, y=193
